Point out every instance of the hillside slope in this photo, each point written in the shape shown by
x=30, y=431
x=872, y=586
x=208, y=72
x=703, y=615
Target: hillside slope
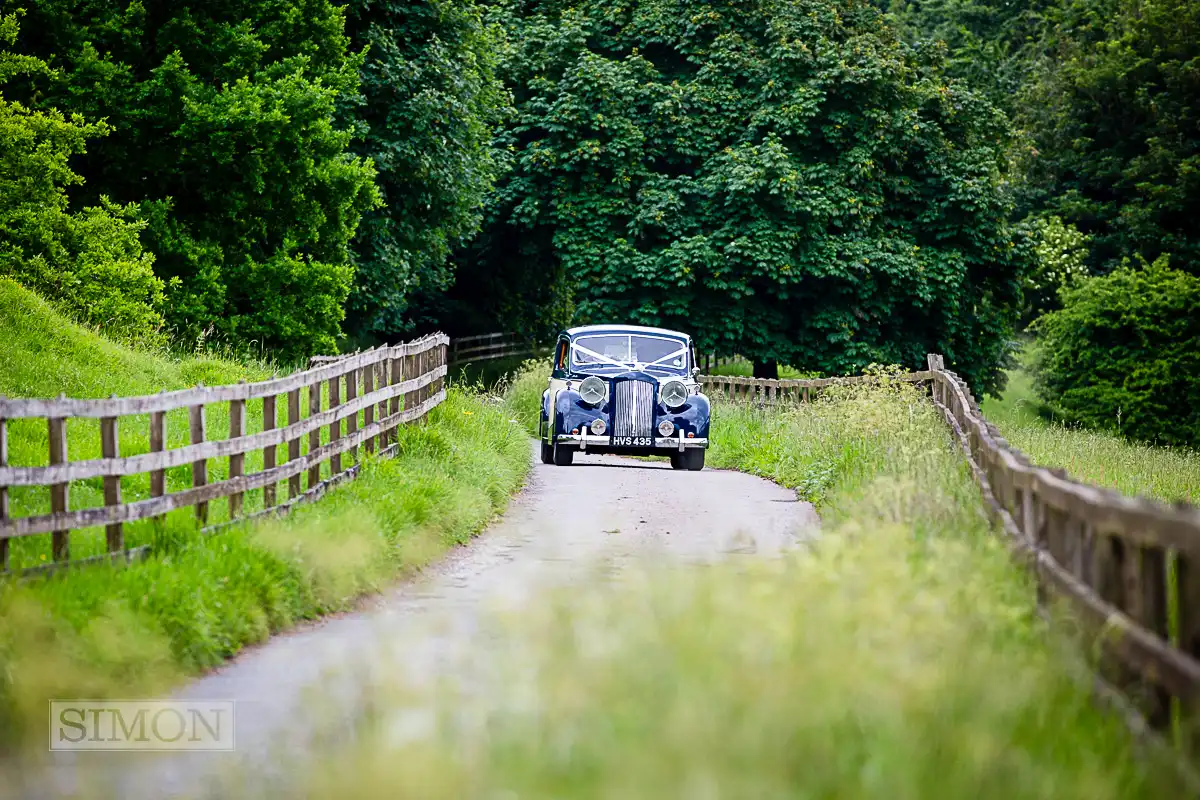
x=43, y=354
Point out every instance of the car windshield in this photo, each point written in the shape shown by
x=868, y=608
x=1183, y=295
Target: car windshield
x=621, y=351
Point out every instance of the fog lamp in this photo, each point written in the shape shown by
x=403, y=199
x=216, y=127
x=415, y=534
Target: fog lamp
x=598, y=427
x=666, y=428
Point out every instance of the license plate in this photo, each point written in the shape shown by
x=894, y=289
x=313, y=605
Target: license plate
x=633, y=441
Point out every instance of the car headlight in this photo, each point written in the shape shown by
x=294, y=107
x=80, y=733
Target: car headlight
x=674, y=394
x=592, y=390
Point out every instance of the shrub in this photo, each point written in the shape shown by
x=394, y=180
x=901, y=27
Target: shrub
x=90, y=263
x=1124, y=352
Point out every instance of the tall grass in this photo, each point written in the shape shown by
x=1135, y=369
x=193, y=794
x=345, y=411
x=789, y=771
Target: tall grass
x=120, y=632
x=196, y=600
x=899, y=657
x=1101, y=457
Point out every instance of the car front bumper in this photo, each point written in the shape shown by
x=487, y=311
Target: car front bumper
x=665, y=443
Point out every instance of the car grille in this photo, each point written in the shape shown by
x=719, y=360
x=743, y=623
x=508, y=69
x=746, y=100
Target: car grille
x=633, y=408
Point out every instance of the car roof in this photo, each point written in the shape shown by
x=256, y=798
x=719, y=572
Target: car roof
x=593, y=329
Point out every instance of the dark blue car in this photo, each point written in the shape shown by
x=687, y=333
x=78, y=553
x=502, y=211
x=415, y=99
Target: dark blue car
x=628, y=390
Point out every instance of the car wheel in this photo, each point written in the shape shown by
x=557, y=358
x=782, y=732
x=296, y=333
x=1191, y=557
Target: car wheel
x=676, y=460
x=563, y=455
x=693, y=460
x=547, y=452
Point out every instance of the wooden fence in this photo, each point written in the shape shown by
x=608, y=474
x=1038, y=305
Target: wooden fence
x=492, y=346
x=366, y=396
x=1128, y=569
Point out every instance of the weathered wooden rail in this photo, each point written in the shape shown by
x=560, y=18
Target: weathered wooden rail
x=1126, y=568
x=492, y=346
x=367, y=395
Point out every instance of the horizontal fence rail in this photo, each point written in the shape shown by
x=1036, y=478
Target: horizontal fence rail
x=365, y=396
x=1125, y=567
x=492, y=346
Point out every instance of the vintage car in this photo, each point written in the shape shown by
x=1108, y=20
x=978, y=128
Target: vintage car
x=627, y=390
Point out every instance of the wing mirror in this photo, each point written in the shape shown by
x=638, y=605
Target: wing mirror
x=695, y=373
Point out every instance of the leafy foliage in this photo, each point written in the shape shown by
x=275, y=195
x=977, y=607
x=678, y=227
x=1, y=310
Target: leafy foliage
x=783, y=179
x=991, y=44
x=1114, y=118
x=224, y=132
x=90, y=263
x=1060, y=256
x=432, y=97
x=1124, y=352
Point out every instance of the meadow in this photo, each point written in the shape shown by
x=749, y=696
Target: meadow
x=899, y=657
x=1102, y=457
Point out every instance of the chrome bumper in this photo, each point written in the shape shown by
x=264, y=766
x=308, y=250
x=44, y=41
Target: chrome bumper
x=677, y=443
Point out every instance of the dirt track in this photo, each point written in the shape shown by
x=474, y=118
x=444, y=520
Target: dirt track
x=603, y=510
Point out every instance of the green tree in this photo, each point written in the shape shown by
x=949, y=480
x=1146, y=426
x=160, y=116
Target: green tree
x=432, y=100
x=783, y=178
x=1114, y=121
x=1124, y=352
x=224, y=131
x=994, y=45
x=1060, y=261
x=90, y=263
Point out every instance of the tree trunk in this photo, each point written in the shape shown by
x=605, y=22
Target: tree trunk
x=766, y=369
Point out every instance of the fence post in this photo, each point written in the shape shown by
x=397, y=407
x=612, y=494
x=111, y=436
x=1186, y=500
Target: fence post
x=158, y=443
x=3, y=491
x=1187, y=572
x=335, y=427
x=294, y=442
x=314, y=436
x=382, y=371
x=270, y=421
x=110, y=447
x=199, y=466
x=368, y=412
x=352, y=420
x=395, y=375
x=237, y=461
x=1144, y=575
x=59, y=492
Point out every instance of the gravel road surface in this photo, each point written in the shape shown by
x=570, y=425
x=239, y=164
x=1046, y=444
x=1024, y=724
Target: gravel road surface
x=570, y=524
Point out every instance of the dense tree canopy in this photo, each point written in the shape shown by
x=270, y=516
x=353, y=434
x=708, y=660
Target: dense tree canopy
x=1114, y=119
x=224, y=132
x=91, y=262
x=785, y=179
x=432, y=98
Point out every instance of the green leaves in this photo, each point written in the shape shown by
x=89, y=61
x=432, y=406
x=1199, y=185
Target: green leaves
x=432, y=98
x=90, y=263
x=225, y=131
x=1124, y=353
x=782, y=179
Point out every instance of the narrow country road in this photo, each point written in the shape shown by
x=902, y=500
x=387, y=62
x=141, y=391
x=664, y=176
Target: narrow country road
x=604, y=512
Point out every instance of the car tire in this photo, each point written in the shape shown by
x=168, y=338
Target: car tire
x=693, y=460
x=563, y=455
x=547, y=452
x=677, y=461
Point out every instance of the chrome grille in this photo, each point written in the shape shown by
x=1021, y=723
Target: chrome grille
x=633, y=408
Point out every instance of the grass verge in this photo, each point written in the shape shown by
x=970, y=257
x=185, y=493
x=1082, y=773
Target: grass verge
x=1100, y=457
x=898, y=658
x=131, y=631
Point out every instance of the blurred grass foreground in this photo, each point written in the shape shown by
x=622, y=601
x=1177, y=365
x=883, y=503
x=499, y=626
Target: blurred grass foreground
x=899, y=657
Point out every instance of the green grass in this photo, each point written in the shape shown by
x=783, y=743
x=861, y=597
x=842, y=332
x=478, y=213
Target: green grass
x=900, y=657
x=743, y=368
x=1100, y=457
x=196, y=600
